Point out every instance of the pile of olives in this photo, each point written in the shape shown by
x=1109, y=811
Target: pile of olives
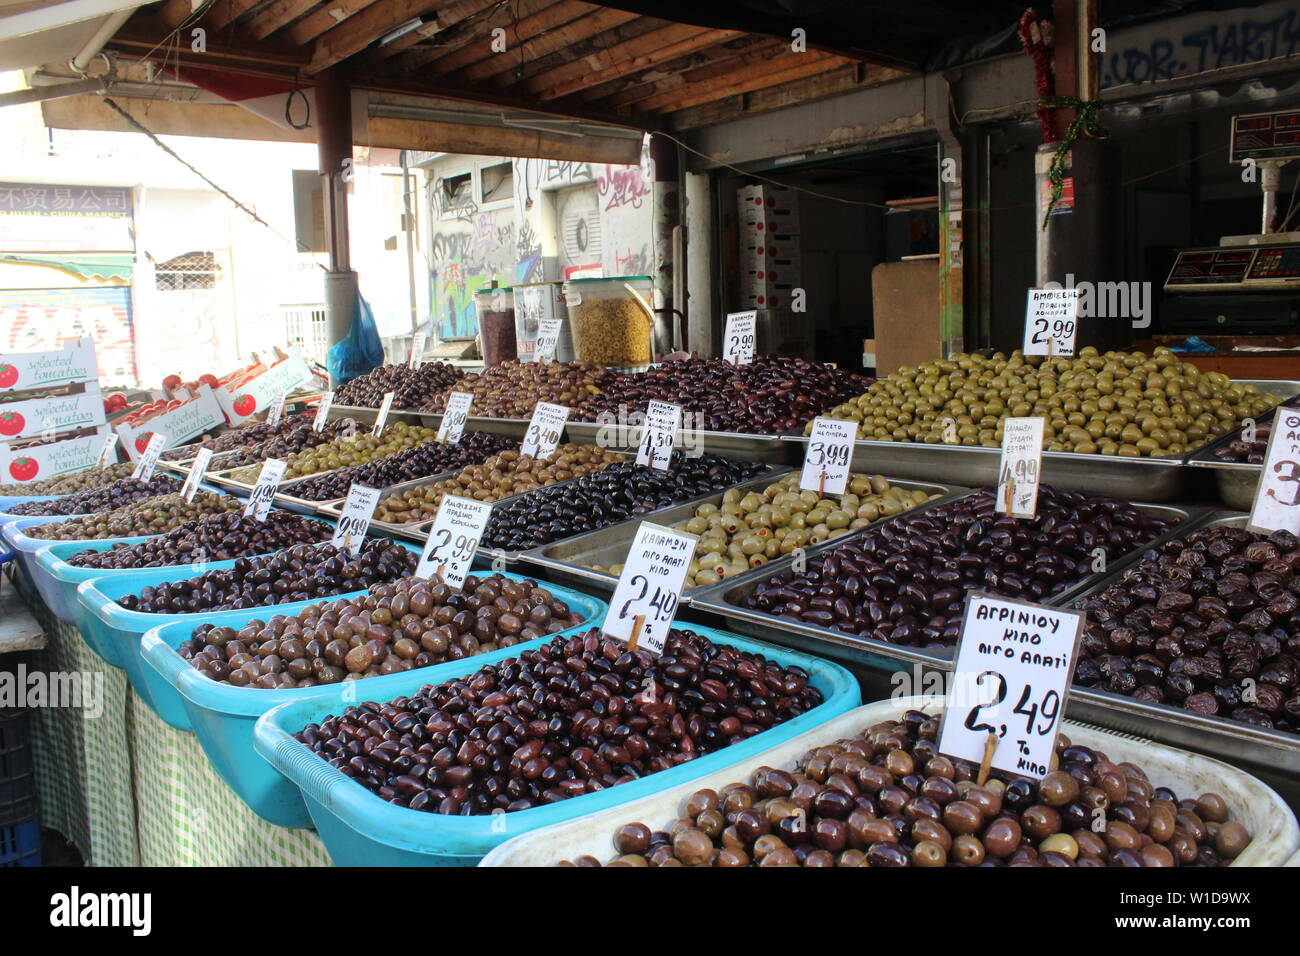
x=83, y=480
x=576, y=715
x=1210, y=623
x=411, y=387
x=500, y=476
x=511, y=389
x=250, y=433
x=1241, y=451
x=117, y=494
x=301, y=437
x=219, y=537
x=147, y=516
x=1120, y=403
x=346, y=450
x=887, y=797
x=414, y=622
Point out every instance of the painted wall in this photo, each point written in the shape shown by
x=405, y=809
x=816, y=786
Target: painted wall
x=516, y=240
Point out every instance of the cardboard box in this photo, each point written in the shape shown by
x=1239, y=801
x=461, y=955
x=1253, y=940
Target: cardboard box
x=774, y=296
x=766, y=196
x=51, y=459
x=905, y=300
x=179, y=425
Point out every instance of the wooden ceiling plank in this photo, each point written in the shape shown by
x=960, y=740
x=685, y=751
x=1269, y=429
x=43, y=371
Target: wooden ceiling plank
x=566, y=82
x=448, y=18
x=476, y=45
x=225, y=12
x=560, y=37
x=668, y=61
x=629, y=54
x=753, y=77
x=588, y=47
x=356, y=33
x=278, y=14
x=671, y=75
x=326, y=18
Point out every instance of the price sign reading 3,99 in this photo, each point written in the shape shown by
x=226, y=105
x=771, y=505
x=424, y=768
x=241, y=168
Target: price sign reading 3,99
x=645, y=600
x=350, y=533
x=1051, y=321
x=455, y=417
x=1022, y=461
x=738, y=342
x=1277, y=497
x=659, y=435
x=544, y=430
x=453, y=539
x=268, y=480
x=830, y=451
x=1010, y=679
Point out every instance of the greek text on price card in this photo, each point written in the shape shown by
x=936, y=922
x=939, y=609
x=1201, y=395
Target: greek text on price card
x=1012, y=673
x=830, y=452
x=738, y=341
x=322, y=411
x=544, y=430
x=381, y=417
x=453, y=539
x=268, y=480
x=198, y=468
x=659, y=434
x=417, y=348
x=1277, y=497
x=1022, y=463
x=354, y=522
x=1051, y=321
x=645, y=600
x=548, y=338
x=454, y=418
x=149, y=460
x=276, y=410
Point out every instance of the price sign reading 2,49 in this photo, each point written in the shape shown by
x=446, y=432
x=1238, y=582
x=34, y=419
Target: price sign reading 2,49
x=1277, y=497
x=1010, y=680
x=645, y=600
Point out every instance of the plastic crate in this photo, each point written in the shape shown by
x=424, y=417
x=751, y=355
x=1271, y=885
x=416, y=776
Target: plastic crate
x=9, y=501
x=17, y=777
x=20, y=843
x=23, y=547
x=106, y=624
x=359, y=828
x=222, y=716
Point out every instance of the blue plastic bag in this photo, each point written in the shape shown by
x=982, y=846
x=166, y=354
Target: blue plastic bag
x=360, y=350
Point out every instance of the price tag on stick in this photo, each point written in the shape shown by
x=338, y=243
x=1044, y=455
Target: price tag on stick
x=108, y=454
x=1051, y=321
x=544, y=430
x=276, y=410
x=453, y=539
x=454, y=418
x=1013, y=669
x=149, y=460
x=1022, y=461
x=659, y=435
x=645, y=600
x=350, y=534
x=830, y=452
x=198, y=468
x=548, y=339
x=322, y=411
x=381, y=417
x=1277, y=496
x=417, y=348
x=268, y=480
x=738, y=342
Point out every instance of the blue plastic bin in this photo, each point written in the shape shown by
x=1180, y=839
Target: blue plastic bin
x=20, y=843
x=24, y=548
x=222, y=716
x=9, y=501
x=104, y=622
x=359, y=828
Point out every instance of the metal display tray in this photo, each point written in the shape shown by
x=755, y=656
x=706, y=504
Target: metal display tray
x=335, y=508
x=367, y=416
x=1236, y=481
x=569, y=561
x=727, y=598
x=282, y=497
x=1274, y=751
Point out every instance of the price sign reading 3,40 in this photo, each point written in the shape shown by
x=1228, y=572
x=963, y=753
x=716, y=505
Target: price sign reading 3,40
x=544, y=430
x=645, y=600
x=830, y=451
x=354, y=522
x=1277, y=497
x=453, y=539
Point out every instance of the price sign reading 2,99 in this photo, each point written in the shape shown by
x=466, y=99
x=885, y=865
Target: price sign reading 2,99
x=1277, y=497
x=354, y=522
x=268, y=480
x=1051, y=321
x=1010, y=679
x=645, y=600
x=738, y=340
x=545, y=429
x=453, y=539
x=830, y=450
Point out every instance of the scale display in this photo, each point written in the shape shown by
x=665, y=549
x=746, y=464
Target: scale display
x=1265, y=136
x=1236, y=269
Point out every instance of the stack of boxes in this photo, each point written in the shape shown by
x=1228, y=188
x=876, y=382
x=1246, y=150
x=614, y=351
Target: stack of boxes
x=771, y=268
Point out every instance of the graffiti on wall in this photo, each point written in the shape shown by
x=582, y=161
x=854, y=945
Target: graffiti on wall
x=464, y=262
x=35, y=320
x=528, y=254
x=621, y=186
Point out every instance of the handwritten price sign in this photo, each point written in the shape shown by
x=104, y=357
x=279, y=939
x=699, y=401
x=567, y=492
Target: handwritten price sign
x=544, y=430
x=354, y=522
x=645, y=599
x=830, y=450
x=1277, y=497
x=453, y=539
x=659, y=435
x=268, y=480
x=738, y=342
x=1051, y=321
x=1022, y=462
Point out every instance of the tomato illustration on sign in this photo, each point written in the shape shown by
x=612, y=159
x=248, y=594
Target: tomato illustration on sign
x=11, y=423
x=8, y=376
x=142, y=441
x=245, y=405
x=23, y=469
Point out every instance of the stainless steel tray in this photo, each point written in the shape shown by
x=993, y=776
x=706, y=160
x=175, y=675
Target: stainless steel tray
x=335, y=508
x=1275, y=751
x=569, y=561
x=727, y=598
x=1236, y=481
x=368, y=415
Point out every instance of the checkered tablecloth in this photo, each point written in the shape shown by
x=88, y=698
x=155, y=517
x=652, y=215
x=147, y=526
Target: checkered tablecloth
x=130, y=790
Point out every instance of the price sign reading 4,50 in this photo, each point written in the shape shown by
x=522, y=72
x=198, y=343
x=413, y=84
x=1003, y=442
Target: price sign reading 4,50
x=455, y=417
x=1010, y=680
x=1051, y=321
x=453, y=539
x=544, y=430
x=354, y=522
x=1277, y=497
x=738, y=342
x=645, y=600
x=268, y=480
x=1022, y=461
x=149, y=460
x=659, y=435
x=830, y=451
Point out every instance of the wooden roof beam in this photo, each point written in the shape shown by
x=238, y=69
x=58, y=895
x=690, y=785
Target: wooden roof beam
x=357, y=32
x=770, y=72
x=558, y=38
x=448, y=19
x=671, y=74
